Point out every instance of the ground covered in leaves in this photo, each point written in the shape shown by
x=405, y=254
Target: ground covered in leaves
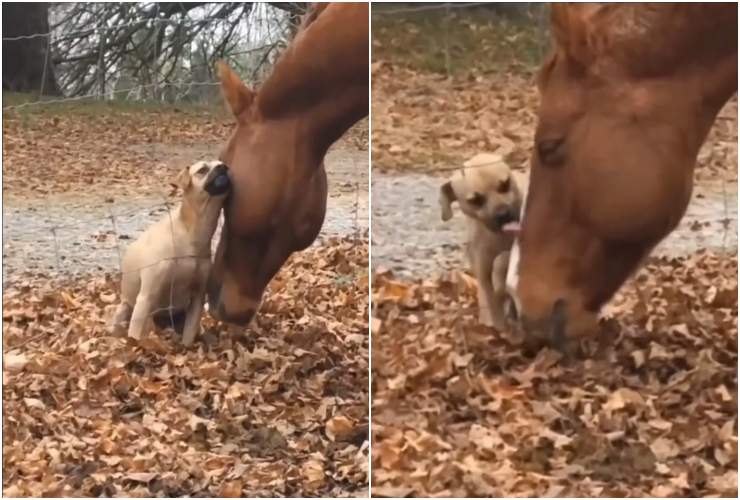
x=449, y=85
x=279, y=408
x=276, y=409
x=648, y=409
x=123, y=148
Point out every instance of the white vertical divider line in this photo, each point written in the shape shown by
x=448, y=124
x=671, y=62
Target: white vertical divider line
x=369, y=254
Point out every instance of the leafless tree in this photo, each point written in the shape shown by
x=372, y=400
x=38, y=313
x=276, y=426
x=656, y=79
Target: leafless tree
x=26, y=67
x=156, y=48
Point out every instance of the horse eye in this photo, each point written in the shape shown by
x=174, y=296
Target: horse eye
x=476, y=199
x=202, y=171
x=551, y=151
x=504, y=186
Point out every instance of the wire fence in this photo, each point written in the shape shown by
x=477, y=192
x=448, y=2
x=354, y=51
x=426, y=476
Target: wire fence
x=449, y=37
x=130, y=93
x=27, y=230
x=87, y=237
x=379, y=10
x=92, y=246
x=148, y=59
x=475, y=49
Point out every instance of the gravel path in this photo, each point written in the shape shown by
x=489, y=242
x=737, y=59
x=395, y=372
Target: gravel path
x=76, y=233
x=409, y=238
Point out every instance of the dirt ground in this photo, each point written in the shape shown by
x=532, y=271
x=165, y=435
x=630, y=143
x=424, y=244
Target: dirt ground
x=410, y=239
x=649, y=408
x=72, y=222
x=276, y=409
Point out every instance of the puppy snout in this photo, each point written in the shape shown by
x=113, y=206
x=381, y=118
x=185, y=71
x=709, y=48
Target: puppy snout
x=503, y=215
x=220, y=182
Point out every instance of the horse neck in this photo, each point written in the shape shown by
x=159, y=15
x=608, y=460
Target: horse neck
x=695, y=45
x=321, y=80
x=694, y=41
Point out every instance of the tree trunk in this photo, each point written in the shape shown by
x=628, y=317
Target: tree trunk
x=27, y=65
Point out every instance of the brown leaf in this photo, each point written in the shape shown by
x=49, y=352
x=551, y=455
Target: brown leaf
x=340, y=428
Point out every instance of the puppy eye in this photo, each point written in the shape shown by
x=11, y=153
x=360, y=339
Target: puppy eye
x=476, y=199
x=202, y=171
x=504, y=186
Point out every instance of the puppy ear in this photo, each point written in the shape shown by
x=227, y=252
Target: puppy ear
x=446, y=197
x=237, y=96
x=183, y=179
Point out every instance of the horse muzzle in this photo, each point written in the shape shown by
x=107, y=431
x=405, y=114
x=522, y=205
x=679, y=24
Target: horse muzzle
x=550, y=330
x=220, y=311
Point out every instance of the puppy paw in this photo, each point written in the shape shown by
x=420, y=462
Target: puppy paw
x=485, y=318
x=117, y=330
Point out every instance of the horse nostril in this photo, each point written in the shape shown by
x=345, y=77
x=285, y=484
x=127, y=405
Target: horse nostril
x=551, y=151
x=558, y=321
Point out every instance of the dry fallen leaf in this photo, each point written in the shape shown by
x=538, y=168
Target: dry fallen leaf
x=339, y=428
x=14, y=362
x=313, y=473
x=231, y=489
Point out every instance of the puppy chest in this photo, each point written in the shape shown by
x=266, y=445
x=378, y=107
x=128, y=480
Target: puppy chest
x=186, y=280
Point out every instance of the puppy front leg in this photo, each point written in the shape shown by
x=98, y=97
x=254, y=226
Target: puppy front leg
x=140, y=316
x=120, y=321
x=498, y=278
x=482, y=267
x=192, y=318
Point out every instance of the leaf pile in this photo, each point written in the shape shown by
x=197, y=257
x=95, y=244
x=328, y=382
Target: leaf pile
x=422, y=120
x=125, y=149
x=279, y=408
x=647, y=409
x=57, y=150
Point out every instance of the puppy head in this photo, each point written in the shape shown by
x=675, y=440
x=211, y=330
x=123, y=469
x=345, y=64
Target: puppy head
x=485, y=190
x=205, y=179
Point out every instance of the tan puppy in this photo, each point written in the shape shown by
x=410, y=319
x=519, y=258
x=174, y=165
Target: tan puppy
x=490, y=195
x=165, y=271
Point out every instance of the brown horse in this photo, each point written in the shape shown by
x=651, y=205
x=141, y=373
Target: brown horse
x=317, y=90
x=627, y=99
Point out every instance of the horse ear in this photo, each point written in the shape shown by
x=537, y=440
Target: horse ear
x=237, y=95
x=446, y=197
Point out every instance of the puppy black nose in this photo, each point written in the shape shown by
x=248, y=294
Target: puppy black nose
x=503, y=215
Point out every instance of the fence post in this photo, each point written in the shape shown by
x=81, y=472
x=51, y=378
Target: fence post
x=101, y=65
x=46, y=64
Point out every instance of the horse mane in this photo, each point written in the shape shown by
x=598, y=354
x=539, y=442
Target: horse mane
x=646, y=39
x=282, y=91
x=313, y=12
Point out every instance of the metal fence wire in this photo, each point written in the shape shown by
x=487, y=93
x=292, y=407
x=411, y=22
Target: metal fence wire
x=154, y=58
x=94, y=246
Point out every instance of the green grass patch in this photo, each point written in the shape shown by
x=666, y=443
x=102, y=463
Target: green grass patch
x=30, y=105
x=459, y=41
